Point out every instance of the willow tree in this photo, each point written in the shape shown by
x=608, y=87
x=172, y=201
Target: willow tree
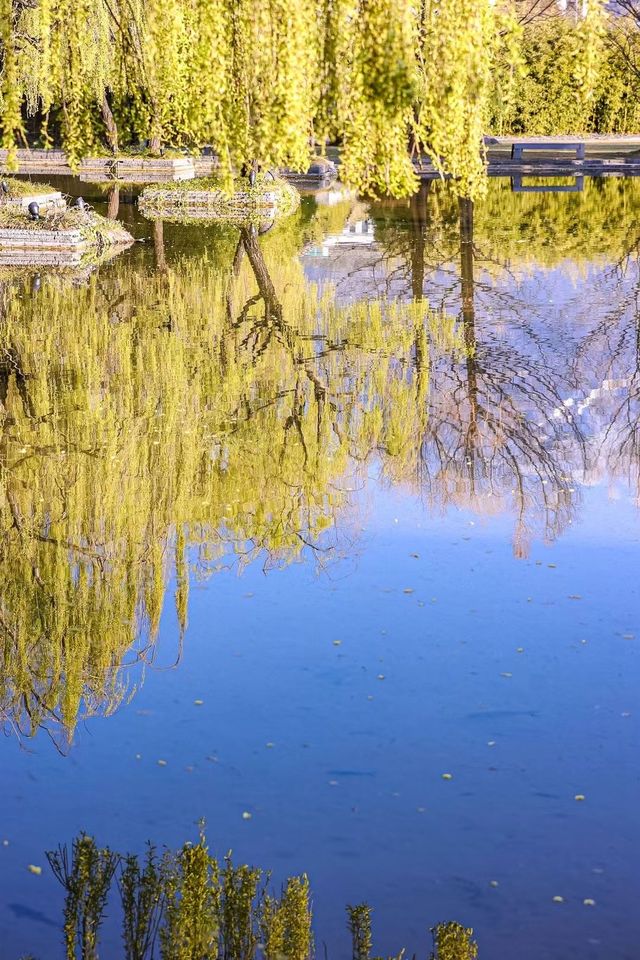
x=266, y=81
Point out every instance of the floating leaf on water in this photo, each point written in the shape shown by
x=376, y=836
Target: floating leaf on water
x=35, y=870
x=558, y=899
x=506, y=674
x=588, y=902
x=579, y=796
x=519, y=649
x=491, y=743
x=493, y=883
x=246, y=815
x=447, y=776
x=198, y=703
x=270, y=745
x=408, y=590
x=162, y=763
x=552, y=566
x=337, y=643
x=381, y=676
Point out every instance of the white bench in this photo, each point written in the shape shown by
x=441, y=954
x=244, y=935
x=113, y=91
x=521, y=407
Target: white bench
x=518, y=148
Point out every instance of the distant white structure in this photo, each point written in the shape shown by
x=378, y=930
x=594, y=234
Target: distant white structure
x=357, y=234
x=579, y=8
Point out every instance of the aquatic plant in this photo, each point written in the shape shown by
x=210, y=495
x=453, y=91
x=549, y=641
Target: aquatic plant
x=205, y=911
x=142, y=896
x=360, y=928
x=238, y=911
x=452, y=941
x=191, y=886
x=86, y=873
x=285, y=922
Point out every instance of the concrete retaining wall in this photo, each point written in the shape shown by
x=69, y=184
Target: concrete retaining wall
x=44, y=200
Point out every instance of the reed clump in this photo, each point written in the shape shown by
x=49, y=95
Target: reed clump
x=194, y=907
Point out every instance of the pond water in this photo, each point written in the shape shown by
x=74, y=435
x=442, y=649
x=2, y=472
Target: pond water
x=294, y=525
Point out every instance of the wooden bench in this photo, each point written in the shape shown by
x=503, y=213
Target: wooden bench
x=518, y=148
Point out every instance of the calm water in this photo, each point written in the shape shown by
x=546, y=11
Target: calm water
x=379, y=524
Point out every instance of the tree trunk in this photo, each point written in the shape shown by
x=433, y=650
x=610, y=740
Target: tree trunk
x=110, y=125
x=469, y=321
x=418, y=207
x=114, y=202
x=261, y=272
x=158, y=245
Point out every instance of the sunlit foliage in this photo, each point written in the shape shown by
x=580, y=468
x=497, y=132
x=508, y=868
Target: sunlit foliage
x=452, y=941
x=559, y=75
x=268, y=81
x=204, y=909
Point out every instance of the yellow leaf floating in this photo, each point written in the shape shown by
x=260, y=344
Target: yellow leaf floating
x=447, y=776
x=588, y=902
x=580, y=796
x=558, y=899
x=35, y=870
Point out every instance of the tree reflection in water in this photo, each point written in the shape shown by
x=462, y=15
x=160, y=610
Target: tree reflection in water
x=219, y=411
x=534, y=411
x=190, y=418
